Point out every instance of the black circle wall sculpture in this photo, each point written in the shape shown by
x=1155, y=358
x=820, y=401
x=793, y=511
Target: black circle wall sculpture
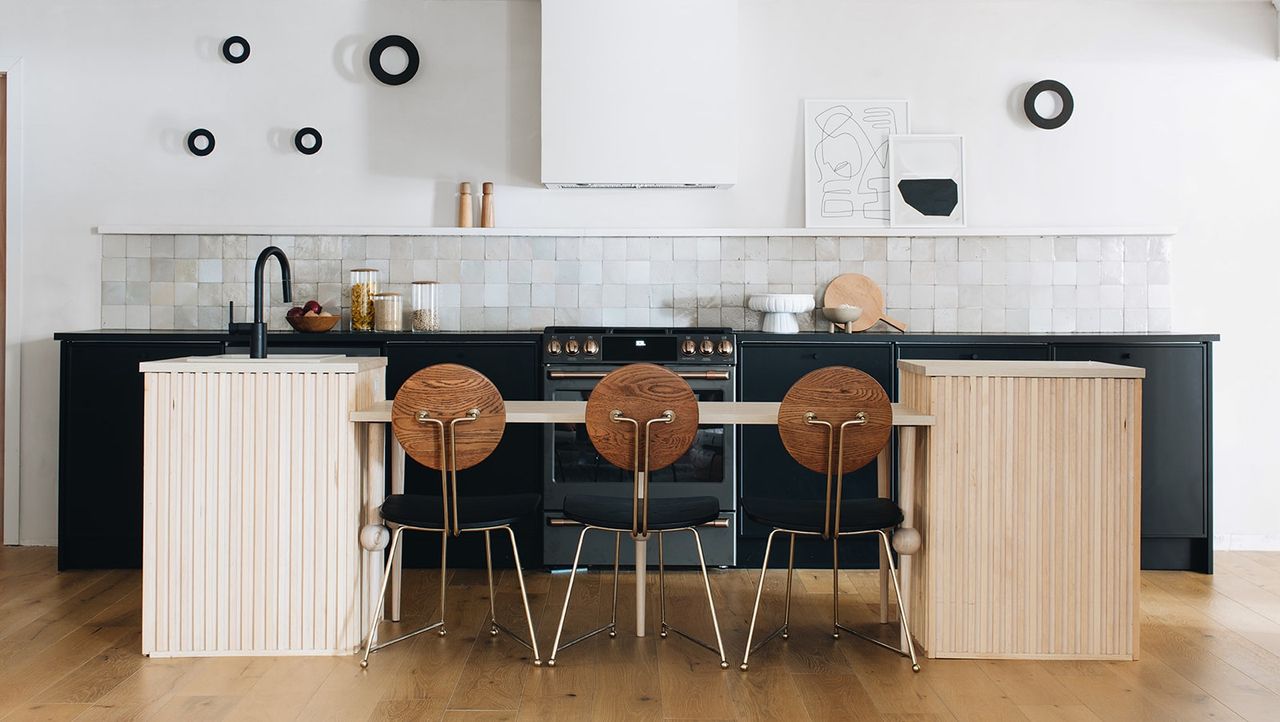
x=1048, y=86
x=375, y=60
x=303, y=134
x=230, y=44
x=195, y=135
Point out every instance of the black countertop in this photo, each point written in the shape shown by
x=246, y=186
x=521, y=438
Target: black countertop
x=754, y=337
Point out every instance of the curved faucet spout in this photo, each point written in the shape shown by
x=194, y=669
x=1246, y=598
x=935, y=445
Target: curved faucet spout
x=258, y=336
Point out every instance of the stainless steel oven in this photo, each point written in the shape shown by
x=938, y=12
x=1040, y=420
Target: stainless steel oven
x=575, y=359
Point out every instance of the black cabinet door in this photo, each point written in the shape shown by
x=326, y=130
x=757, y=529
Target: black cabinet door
x=979, y=352
x=1174, y=470
x=514, y=467
x=765, y=373
x=100, y=450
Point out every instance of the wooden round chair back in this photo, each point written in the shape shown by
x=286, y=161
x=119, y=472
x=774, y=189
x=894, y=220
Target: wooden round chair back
x=434, y=399
x=642, y=392
x=814, y=408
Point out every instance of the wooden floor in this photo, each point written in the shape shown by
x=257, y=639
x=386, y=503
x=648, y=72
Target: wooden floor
x=69, y=650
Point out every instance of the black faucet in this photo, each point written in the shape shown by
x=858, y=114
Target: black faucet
x=258, y=329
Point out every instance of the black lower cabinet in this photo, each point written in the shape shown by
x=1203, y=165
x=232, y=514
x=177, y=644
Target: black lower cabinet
x=100, y=450
x=765, y=372
x=1176, y=464
x=514, y=467
x=976, y=352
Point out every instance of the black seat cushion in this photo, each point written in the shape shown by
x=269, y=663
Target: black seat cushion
x=806, y=514
x=614, y=512
x=473, y=511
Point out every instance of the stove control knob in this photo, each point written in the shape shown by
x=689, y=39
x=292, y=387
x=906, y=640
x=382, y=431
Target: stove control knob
x=688, y=347
x=571, y=347
x=707, y=347
x=553, y=347
x=591, y=347
x=725, y=347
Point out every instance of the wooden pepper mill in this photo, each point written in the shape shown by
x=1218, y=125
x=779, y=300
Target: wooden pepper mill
x=486, y=206
x=466, y=209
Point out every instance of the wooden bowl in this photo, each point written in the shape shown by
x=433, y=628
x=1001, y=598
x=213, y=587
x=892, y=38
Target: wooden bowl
x=312, y=324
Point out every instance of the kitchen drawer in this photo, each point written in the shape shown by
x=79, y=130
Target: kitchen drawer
x=977, y=352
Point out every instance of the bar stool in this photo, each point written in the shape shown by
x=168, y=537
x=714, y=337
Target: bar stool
x=450, y=417
x=813, y=420
x=621, y=416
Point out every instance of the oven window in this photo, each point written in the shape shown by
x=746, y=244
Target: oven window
x=575, y=461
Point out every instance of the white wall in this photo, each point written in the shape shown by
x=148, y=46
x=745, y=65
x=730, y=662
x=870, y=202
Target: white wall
x=1176, y=121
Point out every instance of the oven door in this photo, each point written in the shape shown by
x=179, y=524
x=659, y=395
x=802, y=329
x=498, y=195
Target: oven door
x=572, y=465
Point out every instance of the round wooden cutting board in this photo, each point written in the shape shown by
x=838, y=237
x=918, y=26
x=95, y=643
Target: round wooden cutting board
x=855, y=289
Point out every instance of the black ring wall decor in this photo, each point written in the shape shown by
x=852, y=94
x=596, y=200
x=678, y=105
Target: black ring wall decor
x=307, y=133
x=411, y=54
x=195, y=135
x=1048, y=86
x=230, y=43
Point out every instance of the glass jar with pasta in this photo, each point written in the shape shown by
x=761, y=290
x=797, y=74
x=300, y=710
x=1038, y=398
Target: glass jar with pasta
x=364, y=285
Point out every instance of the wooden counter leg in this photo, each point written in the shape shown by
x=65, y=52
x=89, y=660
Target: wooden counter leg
x=642, y=561
x=397, y=487
x=882, y=490
x=374, y=493
x=906, y=540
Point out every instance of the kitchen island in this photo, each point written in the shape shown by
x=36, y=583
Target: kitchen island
x=252, y=505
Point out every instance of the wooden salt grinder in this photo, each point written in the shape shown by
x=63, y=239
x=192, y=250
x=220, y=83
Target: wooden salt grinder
x=466, y=209
x=486, y=206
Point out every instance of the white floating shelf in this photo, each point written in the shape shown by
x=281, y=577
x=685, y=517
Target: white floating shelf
x=212, y=230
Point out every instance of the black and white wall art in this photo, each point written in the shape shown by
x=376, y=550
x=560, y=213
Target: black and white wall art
x=926, y=178
x=846, y=161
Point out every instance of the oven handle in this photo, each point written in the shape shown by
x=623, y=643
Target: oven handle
x=700, y=375
x=721, y=523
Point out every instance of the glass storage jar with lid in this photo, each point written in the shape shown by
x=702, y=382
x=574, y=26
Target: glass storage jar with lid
x=364, y=285
x=424, y=316
x=388, y=312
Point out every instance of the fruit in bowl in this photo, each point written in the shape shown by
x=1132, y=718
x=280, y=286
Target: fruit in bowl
x=310, y=317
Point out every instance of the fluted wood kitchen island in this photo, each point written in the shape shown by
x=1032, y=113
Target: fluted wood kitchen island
x=253, y=505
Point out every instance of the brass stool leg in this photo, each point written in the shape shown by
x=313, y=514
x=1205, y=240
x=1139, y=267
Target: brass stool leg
x=706, y=580
x=444, y=573
x=382, y=598
x=751, y=630
x=573, y=573
x=662, y=590
x=902, y=611
x=524, y=596
x=835, y=587
x=488, y=562
x=617, y=549
x=786, y=610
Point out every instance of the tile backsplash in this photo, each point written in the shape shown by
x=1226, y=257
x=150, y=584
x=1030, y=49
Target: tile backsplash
x=993, y=284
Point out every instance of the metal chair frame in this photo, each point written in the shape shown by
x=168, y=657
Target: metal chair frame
x=830, y=530
x=449, y=497
x=639, y=530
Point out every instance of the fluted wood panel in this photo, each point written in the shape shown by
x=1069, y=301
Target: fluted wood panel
x=252, y=511
x=1029, y=512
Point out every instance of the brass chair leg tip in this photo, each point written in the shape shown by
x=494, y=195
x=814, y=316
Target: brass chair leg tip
x=442, y=632
x=915, y=668
x=663, y=634
x=364, y=664
x=724, y=664
x=493, y=631
x=537, y=662
x=612, y=633
x=743, y=666
x=835, y=635
x=551, y=663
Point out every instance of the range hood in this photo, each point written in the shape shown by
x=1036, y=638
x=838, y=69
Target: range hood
x=639, y=93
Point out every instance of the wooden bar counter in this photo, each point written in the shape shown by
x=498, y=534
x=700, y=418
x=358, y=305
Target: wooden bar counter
x=252, y=505
x=1029, y=509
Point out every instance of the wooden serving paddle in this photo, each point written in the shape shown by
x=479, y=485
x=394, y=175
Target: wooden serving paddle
x=855, y=289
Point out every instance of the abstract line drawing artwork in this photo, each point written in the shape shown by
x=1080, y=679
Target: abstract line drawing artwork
x=846, y=157
x=926, y=177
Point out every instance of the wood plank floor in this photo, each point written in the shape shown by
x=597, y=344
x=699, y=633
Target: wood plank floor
x=69, y=650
